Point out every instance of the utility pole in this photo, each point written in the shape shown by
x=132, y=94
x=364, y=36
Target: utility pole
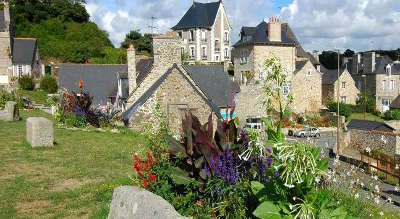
x=365, y=94
x=152, y=27
x=338, y=104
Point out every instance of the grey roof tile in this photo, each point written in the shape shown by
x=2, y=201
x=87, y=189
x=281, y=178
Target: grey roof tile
x=214, y=82
x=369, y=125
x=395, y=103
x=199, y=15
x=24, y=50
x=330, y=76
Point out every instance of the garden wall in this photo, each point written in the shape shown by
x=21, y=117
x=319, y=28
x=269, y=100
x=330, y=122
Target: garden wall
x=362, y=139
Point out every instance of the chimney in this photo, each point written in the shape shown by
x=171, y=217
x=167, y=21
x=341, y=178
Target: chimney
x=167, y=51
x=316, y=55
x=131, y=59
x=6, y=11
x=274, y=30
x=370, y=62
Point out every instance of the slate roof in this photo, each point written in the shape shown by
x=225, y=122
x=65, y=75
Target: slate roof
x=214, y=82
x=259, y=35
x=24, y=50
x=199, y=15
x=369, y=126
x=101, y=81
x=330, y=76
x=395, y=103
x=142, y=99
x=300, y=64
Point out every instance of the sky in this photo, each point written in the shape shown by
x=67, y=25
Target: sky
x=318, y=24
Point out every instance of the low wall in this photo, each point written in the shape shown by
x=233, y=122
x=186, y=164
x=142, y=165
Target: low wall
x=385, y=142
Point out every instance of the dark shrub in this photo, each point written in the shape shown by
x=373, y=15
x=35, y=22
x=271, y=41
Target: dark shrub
x=387, y=115
x=49, y=84
x=344, y=109
x=4, y=97
x=26, y=83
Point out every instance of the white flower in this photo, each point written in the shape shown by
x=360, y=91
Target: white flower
x=317, y=179
x=368, y=150
x=356, y=196
x=377, y=200
x=377, y=188
x=381, y=213
x=397, y=167
x=291, y=206
x=396, y=188
x=348, y=173
x=362, y=184
x=383, y=139
x=375, y=177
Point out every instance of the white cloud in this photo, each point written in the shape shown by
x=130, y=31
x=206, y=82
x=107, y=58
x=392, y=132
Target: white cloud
x=355, y=24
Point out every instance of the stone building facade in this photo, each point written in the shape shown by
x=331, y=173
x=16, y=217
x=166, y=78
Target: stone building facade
x=5, y=44
x=205, y=38
x=169, y=86
x=348, y=91
x=262, y=42
x=382, y=77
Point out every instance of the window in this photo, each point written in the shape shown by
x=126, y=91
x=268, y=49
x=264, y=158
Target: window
x=384, y=85
x=309, y=72
x=191, y=53
x=204, y=52
x=286, y=89
x=203, y=36
x=182, y=51
x=217, y=58
x=388, y=70
x=20, y=70
x=226, y=37
x=180, y=34
x=343, y=85
x=226, y=53
x=392, y=85
x=191, y=35
x=343, y=99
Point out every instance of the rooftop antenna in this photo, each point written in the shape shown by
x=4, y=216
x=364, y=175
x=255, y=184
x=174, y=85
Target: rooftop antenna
x=152, y=27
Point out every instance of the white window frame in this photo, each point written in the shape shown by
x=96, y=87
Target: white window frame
x=343, y=85
x=192, y=52
x=20, y=70
x=343, y=99
x=203, y=35
x=384, y=85
x=226, y=36
x=226, y=53
x=388, y=70
x=392, y=85
x=286, y=89
x=204, y=52
x=191, y=35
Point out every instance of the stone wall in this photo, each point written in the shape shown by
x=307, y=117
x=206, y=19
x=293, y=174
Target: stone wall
x=362, y=139
x=167, y=51
x=350, y=91
x=249, y=103
x=175, y=95
x=307, y=90
x=5, y=56
x=241, y=68
x=386, y=93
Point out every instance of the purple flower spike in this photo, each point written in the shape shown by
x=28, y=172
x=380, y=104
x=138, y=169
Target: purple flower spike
x=269, y=162
x=269, y=149
x=276, y=174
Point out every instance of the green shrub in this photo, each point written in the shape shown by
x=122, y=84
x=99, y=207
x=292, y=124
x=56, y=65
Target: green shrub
x=4, y=97
x=49, y=84
x=344, y=109
x=396, y=114
x=26, y=83
x=387, y=115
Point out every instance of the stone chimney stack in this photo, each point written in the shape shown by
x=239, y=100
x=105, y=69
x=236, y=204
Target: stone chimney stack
x=369, y=62
x=131, y=59
x=316, y=55
x=167, y=51
x=274, y=30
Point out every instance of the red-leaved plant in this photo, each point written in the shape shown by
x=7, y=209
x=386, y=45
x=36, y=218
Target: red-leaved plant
x=143, y=168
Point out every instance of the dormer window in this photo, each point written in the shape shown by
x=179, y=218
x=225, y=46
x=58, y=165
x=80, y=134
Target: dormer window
x=191, y=35
x=388, y=70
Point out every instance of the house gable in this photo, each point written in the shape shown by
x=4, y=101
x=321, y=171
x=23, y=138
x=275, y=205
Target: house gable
x=175, y=92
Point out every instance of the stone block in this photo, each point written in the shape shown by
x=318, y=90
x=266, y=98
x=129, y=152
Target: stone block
x=39, y=132
x=130, y=202
x=10, y=112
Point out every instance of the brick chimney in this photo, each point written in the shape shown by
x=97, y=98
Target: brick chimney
x=131, y=59
x=274, y=30
x=167, y=51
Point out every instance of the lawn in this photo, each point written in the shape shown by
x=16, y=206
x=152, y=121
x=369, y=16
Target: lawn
x=75, y=179
x=37, y=96
x=368, y=116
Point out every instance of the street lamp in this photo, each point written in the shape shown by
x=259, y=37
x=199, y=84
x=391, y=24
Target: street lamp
x=338, y=103
x=365, y=94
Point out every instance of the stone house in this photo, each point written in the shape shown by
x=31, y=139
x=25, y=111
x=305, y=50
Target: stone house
x=175, y=88
x=250, y=52
x=382, y=77
x=348, y=92
x=18, y=56
x=375, y=135
x=205, y=32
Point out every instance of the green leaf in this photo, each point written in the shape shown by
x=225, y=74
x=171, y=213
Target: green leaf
x=338, y=213
x=267, y=210
x=259, y=190
x=316, y=152
x=180, y=177
x=323, y=164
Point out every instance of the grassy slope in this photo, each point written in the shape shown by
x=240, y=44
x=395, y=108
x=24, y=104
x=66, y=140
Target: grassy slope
x=38, y=96
x=368, y=116
x=74, y=179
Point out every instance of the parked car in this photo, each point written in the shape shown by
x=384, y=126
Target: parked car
x=308, y=132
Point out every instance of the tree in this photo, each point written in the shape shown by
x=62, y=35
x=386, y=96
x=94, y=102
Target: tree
x=329, y=59
x=143, y=43
x=348, y=53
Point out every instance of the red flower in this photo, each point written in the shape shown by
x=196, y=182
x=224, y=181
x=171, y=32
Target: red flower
x=146, y=184
x=152, y=177
x=150, y=159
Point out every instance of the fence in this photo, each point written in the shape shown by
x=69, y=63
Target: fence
x=390, y=168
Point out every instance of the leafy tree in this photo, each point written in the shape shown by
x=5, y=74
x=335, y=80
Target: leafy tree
x=370, y=100
x=143, y=43
x=329, y=59
x=344, y=109
x=348, y=53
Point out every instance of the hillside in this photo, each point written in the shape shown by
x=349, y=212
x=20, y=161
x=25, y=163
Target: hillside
x=64, y=31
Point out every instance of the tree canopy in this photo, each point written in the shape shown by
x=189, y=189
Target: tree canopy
x=329, y=59
x=143, y=43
